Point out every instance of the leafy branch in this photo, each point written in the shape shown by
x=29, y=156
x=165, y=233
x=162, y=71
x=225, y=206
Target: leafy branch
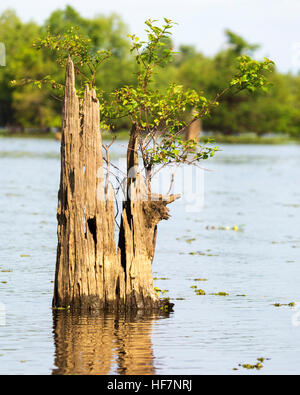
x=159, y=118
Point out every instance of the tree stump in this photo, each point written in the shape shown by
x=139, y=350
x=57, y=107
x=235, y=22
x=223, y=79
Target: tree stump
x=91, y=271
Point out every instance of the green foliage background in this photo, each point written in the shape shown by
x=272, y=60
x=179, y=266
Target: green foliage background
x=275, y=111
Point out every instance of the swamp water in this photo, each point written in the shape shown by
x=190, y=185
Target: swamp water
x=245, y=242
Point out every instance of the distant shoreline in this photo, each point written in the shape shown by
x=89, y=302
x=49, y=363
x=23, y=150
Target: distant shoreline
x=246, y=138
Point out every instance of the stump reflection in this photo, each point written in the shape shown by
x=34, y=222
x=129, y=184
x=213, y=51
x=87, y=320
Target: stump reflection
x=103, y=344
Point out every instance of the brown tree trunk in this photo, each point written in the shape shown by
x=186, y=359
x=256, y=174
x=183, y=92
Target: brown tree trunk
x=91, y=272
x=193, y=131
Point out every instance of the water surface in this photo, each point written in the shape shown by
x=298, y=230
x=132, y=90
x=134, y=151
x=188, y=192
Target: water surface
x=253, y=187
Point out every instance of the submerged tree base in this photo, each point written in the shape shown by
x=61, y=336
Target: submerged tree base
x=94, y=304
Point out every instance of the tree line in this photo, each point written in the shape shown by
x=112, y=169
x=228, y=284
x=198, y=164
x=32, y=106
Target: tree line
x=23, y=107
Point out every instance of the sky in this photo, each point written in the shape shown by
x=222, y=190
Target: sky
x=275, y=24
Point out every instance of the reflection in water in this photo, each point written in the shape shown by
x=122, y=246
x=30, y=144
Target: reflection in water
x=103, y=344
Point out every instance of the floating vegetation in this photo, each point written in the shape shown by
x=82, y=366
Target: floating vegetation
x=166, y=306
x=161, y=278
x=201, y=253
x=190, y=240
x=180, y=299
x=291, y=304
x=187, y=238
x=220, y=294
x=234, y=228
x=200, y=292
x=24, y=256
x=3, y=282
x=6, y=271
x=261, y=359
x=241, y=295
x=200, y=279
x=259, y=365
x=161, y=291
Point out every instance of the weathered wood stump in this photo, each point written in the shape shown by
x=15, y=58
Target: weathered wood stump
x=91, y=271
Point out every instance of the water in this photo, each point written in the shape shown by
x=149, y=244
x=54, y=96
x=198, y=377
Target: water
x=254, y=187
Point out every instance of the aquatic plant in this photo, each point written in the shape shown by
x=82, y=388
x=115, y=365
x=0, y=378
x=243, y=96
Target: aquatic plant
x=221, y=294
x=200, y=292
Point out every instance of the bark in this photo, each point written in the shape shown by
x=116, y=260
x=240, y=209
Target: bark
x=91, y=271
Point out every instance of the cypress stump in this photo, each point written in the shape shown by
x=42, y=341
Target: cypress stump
x=92, y=271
